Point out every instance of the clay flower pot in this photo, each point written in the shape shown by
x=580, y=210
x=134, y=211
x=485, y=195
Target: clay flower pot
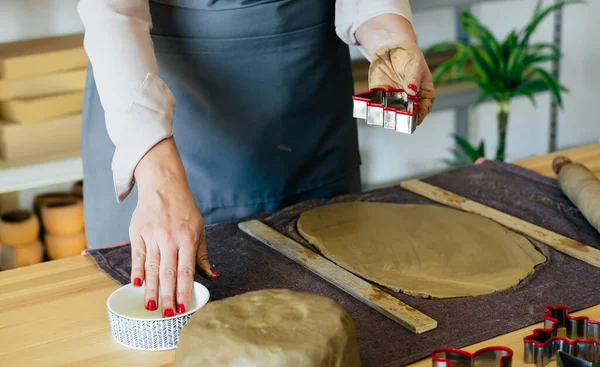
x=49, y=197
x=18, y=227
x=63, y=217
x=26, y=254
x=58, y=247
x=77, y=188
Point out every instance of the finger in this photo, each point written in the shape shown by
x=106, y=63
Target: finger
x=410, y=71
x=424, y=108
x=381, y=74
x=138, y=260
x=168, y=274
x=185, y=275
x=202, y=258
x=151, y=269
x=426, y=99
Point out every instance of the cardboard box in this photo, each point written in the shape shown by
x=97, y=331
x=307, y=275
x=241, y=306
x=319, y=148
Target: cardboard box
x=19, y=141
x=41, y=56
x=41, y=108
x=40, y=85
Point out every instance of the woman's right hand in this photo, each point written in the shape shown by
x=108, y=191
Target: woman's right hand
x=166, y=232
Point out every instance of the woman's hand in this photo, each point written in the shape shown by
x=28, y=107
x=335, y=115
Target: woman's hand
x=397, y=60
x=403, y=66
x=166, y=232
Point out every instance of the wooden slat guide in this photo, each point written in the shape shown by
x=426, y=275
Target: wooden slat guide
x=558, y=242
x=391, y=307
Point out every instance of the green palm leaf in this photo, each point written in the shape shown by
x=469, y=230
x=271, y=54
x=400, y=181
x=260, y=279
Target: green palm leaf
x=483, y=96
x=551, y=83
x=470, y=151
x=444, y=46
x=481, y=149
x=480, y=32
x=544, y=46
x=515, y=67
x=540, y=14
x=484, y=66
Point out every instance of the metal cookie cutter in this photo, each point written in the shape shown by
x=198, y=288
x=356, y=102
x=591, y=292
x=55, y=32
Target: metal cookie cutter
x=566, y=360
x=393, y=109
x=486, y=357
x=576, y=336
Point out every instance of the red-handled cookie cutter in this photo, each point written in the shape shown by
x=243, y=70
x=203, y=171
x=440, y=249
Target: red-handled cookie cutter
x=392, y=109
x=486, y=357
x=577, y=336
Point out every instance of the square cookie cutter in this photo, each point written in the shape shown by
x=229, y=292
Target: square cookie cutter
x=392, y=109
x=577, y=336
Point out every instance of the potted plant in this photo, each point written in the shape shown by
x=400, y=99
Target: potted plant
x=501, y=69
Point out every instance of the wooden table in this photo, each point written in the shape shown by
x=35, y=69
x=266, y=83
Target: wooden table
x=55, y=314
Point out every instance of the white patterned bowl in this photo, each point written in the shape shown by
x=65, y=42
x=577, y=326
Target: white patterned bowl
x=135, y=327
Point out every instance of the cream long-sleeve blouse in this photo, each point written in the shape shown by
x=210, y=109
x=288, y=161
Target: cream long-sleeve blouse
x=138, y=105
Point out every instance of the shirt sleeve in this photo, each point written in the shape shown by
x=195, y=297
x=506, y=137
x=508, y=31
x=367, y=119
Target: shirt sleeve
x=138, y=105
x=351, y=14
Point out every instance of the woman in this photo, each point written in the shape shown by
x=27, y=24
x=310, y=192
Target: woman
x=263, y=117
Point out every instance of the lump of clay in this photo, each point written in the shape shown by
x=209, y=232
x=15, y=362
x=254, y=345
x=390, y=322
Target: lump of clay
x=269, y=328
x=422, y=250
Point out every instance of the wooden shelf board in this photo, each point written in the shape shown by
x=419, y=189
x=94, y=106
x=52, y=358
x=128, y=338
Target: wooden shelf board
x=40, y=171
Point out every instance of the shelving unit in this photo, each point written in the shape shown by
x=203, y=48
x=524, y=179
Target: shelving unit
x=33, y=173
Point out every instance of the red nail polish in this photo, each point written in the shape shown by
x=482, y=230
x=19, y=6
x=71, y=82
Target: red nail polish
x=412, y=87
x=214, y=273
x=180, y=308
x=151, y=305
x=137, y=282
x=169, y=313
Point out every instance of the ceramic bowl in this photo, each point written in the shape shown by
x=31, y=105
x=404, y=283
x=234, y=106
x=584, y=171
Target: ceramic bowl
x=135, y=327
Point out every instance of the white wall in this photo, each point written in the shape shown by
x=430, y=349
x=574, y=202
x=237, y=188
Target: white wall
x=22, y=19
x=389, y=157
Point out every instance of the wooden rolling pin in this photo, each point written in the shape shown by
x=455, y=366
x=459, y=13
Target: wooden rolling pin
x=581, y=186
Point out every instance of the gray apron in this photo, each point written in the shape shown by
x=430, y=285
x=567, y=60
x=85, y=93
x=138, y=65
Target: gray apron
x=263, y=115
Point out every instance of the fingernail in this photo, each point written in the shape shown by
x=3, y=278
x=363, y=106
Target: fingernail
x=151, y=305
x=180, y=308
x=214, y=273
x=137, y=282
x=412, y=87
x=169, y=313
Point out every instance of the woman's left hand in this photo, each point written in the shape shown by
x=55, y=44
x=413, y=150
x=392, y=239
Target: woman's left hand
x=403, y=65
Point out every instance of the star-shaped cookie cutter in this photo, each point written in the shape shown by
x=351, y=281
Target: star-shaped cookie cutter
x=486, y=357
x=577, y=336
x=392, y=109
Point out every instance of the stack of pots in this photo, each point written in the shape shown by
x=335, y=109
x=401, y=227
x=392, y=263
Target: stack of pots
x=19, y=240
x=62, y=222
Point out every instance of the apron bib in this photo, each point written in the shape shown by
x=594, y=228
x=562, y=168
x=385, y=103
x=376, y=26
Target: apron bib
x=263, y=114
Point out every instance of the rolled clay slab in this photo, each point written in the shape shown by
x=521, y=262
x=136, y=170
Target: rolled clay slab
x=269, y=328
x=422, y=250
